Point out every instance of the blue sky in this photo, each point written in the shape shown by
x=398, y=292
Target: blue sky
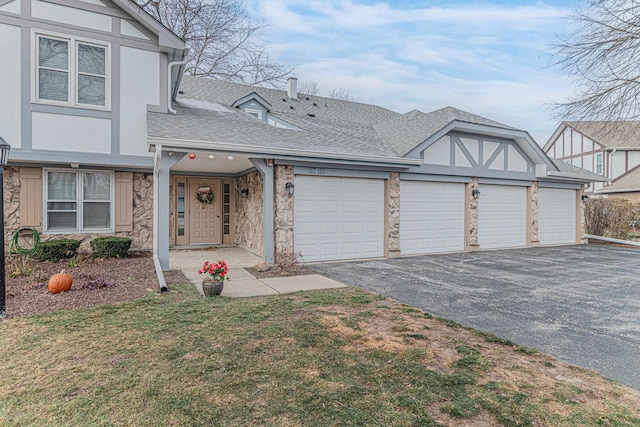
x=489, y=58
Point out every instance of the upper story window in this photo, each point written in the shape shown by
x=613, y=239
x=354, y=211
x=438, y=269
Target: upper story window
x=599, y=163
x=71, y=72
x=255, y=113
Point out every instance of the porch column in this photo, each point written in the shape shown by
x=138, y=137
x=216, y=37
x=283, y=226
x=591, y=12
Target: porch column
x=266, y=169
x=283, y=212
x=161, y=207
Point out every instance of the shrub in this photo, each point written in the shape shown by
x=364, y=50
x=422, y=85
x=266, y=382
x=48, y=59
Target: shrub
x=57, y=249
x=110, y=247
x=610, y=217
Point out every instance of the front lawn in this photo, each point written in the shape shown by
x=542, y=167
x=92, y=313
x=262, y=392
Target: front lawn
x=334, y=357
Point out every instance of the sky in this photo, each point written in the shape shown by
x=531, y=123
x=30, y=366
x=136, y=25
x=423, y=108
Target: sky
x=490, y=58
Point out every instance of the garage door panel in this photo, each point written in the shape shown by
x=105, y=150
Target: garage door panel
x=502, y=216
x=556, y=216
x=349, y=218
x=431, y=217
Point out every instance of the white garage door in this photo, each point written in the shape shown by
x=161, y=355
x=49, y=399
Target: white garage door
x=556, y=216
x=502, y=216
x=338, y=218
x=431, y=217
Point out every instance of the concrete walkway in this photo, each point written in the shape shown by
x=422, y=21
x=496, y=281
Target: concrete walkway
x=241, y=283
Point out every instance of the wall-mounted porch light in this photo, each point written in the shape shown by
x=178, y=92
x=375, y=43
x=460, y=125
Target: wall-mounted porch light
x=475, y=193
x=289, y=187
x=244, y=193
x=585, y=197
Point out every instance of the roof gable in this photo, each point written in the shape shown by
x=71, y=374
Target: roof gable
x=252, y=97
x=610, y=134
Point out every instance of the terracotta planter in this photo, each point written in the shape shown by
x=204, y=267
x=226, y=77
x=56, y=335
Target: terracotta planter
x=211, y=287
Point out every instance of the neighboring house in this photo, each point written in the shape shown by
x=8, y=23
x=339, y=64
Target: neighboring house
x=609, y=149
x=98, y=149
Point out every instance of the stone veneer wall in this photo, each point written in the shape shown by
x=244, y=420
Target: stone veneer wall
x=473, y=216
x=283, y=214
x=141, y=236
x=533, y=226
x=11, y=189
x=393, y=214
x=582, y=226
x=249, y=230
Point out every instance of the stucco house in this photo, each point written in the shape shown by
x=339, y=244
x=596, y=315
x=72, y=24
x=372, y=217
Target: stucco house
x=609, y=149
x=108, y=138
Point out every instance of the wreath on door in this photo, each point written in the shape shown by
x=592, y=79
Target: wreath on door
x=204, y=195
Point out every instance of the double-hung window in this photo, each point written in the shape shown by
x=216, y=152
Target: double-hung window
x=71, y=72
x=599, y=163
x=78, y=201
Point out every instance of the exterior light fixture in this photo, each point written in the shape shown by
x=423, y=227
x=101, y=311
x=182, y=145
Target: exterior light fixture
x=212, y=157
x=4, y=157
x=475, y=193
x=230, y=158
x=192, y=156
x=585, y=197
x=244, y=193
x=289, y=187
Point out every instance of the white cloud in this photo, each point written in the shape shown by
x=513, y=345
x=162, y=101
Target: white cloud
x=487, y=59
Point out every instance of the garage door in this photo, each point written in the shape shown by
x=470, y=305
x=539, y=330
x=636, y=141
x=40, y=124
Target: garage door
x=431, y=217
x=556, y=216
x=502, y=216
x=338, y=218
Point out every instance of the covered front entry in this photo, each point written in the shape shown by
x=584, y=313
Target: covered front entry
x=198, y=211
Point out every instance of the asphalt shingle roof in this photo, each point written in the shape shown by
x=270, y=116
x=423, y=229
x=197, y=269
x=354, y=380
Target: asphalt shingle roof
x=567, y=168
x=629, y=181
x=326, y=125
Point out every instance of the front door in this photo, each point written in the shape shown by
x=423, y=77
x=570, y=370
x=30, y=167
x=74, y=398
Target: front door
x=205, y=219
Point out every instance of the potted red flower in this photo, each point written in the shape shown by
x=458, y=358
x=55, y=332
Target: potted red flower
x=214, y=276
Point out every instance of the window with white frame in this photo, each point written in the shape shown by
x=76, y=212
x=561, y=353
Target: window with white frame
x=78, y=200
x=599, y=163
x=71, y=72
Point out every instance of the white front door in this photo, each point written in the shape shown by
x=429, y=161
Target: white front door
x=556, y=216
x=338, y=218
x=431, y=217
x=502, y=216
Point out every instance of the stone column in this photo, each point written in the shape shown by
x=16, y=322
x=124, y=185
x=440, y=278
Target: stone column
x=472, y=216
x=580, y=218
x=392, y=192
x=532, y=198
x=283, y=214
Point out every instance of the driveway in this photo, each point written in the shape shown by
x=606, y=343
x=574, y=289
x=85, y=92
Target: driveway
x=579, y=304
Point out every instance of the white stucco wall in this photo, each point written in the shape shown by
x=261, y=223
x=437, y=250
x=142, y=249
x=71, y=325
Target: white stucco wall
x=60, y=132
x=69, y=15
x=10, y=85
x=634, y=159
x=139, y=86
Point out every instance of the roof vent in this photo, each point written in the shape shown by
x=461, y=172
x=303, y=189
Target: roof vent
x=181, y=92
x=306, y=97
x=315, y=104
x=311, y=115
x=291, y=107
x=292, y=88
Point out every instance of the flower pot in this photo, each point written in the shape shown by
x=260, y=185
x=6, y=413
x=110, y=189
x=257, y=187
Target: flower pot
x=211, y=287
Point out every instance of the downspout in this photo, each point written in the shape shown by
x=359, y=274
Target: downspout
x=169, y=67
x=156, y=260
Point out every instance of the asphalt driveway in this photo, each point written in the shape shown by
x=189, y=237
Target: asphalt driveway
x=579, y=304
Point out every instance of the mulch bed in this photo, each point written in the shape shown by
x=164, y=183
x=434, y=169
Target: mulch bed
x=95, y=282
x=617, y=245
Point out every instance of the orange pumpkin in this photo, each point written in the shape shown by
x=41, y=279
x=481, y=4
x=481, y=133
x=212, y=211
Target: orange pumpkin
x=60, y=282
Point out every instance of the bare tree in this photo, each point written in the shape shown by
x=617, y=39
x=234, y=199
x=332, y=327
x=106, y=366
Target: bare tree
x=223, y=39
x=342, y=94
x=309, y=87
x=602, y=56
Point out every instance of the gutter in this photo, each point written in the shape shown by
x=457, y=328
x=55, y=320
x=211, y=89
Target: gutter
x=257, y=150
x=156, y=260
x=568, y=175
x=169, y=94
